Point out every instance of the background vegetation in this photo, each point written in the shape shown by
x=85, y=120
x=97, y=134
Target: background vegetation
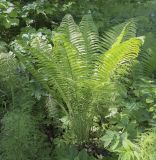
x=77, y=79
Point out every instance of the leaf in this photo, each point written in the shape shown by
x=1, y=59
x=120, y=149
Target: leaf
x=108, y=138
x=7, y=22
x=149, y=100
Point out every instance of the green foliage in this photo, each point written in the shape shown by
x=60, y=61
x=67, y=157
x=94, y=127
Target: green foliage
x=8, y=14
x=147, y=58
x=20, y=137
x=70, y=152
x=74, y=89
x=147, y=145
x=78, y=73
x=142, y=149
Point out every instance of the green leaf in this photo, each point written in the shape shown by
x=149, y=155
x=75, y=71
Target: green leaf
x=108, y=138
x=149, y=100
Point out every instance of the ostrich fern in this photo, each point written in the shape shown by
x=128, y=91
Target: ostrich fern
x=82, y=67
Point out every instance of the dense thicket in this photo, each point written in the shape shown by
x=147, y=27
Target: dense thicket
x=78, y=87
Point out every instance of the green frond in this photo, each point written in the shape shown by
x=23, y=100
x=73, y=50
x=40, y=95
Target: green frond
x=64, y=69
x=117, y=35
x=26, y=61
x=84, y=37
x=90, y=34
x=91, y=38
x=147, y=65
x=69, y=60
x=118, y=57
x=72, y=32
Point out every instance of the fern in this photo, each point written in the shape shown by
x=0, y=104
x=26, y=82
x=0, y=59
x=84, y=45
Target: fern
x=77, y=72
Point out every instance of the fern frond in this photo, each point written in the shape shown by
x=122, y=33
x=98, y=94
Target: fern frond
x=118, y=56
x=64, y=69
x=72, y=32
x=148, y=64
x=117, y=35
x=84, y=38
x=90, y=34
